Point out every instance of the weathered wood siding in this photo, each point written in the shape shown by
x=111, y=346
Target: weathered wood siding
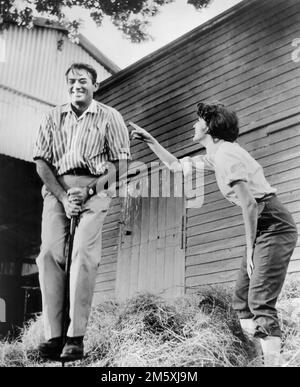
x=244, y=59
x=151, y=253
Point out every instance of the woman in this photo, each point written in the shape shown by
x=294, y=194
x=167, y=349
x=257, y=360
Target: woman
x=271, y=233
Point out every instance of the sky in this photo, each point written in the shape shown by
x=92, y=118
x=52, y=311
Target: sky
x=174, y=20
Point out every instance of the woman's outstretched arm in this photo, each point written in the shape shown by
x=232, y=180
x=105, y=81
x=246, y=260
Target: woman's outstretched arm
x=166, y=157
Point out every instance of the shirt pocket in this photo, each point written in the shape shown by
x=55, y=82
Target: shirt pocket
x=95, y=140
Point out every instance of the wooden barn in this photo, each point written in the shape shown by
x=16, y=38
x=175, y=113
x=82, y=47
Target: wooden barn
x=247, y=59
x=32, y=67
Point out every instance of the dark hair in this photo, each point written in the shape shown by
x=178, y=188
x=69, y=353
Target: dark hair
x=222, y=122
x=83, y=66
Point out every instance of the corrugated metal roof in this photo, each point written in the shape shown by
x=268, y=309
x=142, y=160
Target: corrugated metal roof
x=84, y=43
x=36, y=67
x=19, y=121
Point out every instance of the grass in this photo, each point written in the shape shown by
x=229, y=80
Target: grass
x=199, y=330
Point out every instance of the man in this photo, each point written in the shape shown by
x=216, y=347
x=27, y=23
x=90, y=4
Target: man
x=75, y=146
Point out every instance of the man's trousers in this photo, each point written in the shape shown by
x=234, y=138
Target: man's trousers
x=85, y=258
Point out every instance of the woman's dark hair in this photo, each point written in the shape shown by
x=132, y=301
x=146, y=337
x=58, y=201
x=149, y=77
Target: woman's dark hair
x=83, y=66
x=222, y=122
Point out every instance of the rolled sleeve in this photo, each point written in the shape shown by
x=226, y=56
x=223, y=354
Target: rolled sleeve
x=232, y=168
x=43, y=144
x=117, y=138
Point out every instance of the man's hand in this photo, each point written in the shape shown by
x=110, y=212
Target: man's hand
x=250, y=264
x=78, y=195
x=71, y=208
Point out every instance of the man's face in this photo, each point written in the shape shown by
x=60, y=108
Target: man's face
x=80, y=87
x=200, y=130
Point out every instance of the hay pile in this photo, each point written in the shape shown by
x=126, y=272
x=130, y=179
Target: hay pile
x=199, y=330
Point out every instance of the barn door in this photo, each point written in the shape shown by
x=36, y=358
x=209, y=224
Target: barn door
x=151, y=250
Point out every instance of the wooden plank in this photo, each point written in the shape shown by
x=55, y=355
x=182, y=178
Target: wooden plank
x=152, y=245
x=253, y=67
x=211, y=209
x=186, y=146
x=108, y=267
x=179, y=257
x=284, y=173
x=194, y=149
x=216, y=245
x=135, y=248
x=170, y=247
x=214, y=256
x=184, y=91
x=108, y=259
x=105, y=286
x=109, y=243
x=161, y=243
x=271, y=134
x=110, y=234
x=235, y=252
x=187, y=105
x=111, y=250
x=211, y=279
x=123, y=250
x=215, y=236
x=223, y=34
x=238, y=88
x=226, y=277
x=200, y=38
x=282, y=161
x=203, y=260
x=227, y=265
x=213, y=267
x=221, y=219
x=250, y=32
x=226, y=233
x=143, y=277
x=103, y=277
x=122, y=273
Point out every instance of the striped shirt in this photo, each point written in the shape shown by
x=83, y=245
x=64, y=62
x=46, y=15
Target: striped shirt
x=90, y=141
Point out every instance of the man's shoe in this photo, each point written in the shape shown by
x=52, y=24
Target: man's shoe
x=51, y=349
x=73, y=350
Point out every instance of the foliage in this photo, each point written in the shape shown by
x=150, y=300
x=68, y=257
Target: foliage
x=129, y=16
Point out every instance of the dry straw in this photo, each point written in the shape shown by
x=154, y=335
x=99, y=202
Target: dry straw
x=198, y=330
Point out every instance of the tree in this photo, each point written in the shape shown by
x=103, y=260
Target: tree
x=129, y=16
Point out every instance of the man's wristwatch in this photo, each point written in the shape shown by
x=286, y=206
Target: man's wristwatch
x=91, y=190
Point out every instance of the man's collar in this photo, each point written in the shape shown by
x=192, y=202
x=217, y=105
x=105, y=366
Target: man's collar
x=67, y=108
